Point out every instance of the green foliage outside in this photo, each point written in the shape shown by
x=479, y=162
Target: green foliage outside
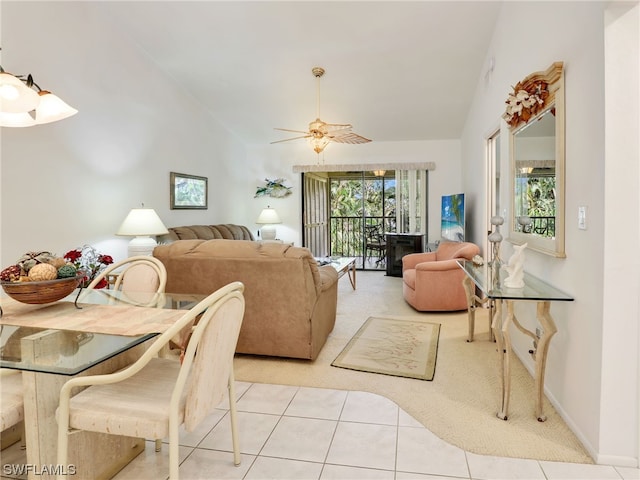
x=541, y=196
x=538, y=200
x=355, y=203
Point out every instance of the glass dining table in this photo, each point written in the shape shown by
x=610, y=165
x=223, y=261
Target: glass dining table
x=489, y=280
x=104, y=331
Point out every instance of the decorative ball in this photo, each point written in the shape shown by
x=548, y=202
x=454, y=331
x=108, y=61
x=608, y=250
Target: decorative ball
x=11, y=274
x=31, y=259
x=67, y=270
x=43, y=271
x=57, y=262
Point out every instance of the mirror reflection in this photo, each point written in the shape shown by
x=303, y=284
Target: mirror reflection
x=535, y=117
x=535, y=176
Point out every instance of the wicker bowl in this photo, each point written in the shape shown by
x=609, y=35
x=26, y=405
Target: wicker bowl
x=46, y=291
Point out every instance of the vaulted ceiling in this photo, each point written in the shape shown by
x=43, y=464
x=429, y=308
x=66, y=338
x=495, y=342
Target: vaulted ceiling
x=397, y=71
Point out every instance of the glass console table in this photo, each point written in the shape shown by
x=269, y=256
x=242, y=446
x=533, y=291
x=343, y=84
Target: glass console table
x=488, y=280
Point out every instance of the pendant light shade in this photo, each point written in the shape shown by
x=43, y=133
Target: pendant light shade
x=16, y=120
x=15, y=96
x=52, y=108
x=24, y=104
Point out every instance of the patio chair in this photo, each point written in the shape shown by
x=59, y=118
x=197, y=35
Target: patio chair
x=375, y=243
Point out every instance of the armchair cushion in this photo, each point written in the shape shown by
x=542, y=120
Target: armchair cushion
x=11, y=405
x=432, y=281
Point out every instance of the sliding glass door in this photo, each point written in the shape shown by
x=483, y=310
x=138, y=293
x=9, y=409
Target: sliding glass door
x=356, y=209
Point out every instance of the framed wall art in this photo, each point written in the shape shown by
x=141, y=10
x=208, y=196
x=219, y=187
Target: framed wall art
x=188, y=192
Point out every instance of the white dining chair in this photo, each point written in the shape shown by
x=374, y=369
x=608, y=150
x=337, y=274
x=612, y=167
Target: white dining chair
x=154, y=396
x=141, y=278
x=11, y=402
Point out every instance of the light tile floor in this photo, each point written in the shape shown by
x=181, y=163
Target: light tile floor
x=303, y=433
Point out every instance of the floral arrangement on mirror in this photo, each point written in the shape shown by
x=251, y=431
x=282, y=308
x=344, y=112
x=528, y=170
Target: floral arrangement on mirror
x=525, y=102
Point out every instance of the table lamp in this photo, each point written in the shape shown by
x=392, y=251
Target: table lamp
x=141, y=223
x=268, y=217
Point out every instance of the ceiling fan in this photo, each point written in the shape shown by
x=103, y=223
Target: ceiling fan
x=320, y=133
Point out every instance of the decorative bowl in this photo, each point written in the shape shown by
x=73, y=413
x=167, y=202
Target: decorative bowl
x=46, y=291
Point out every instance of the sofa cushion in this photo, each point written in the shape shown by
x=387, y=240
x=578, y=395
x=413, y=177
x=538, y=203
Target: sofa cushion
x=184, y=233
x=409, y=277
x=204, y=232
x=207, y=232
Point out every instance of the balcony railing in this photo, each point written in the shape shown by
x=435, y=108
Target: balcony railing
x=544, y=226
x=347, y=237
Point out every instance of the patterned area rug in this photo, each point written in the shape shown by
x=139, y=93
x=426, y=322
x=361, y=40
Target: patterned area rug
x=402, y=348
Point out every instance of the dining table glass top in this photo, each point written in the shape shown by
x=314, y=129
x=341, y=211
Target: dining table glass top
x=490, y=280
x=67, y=338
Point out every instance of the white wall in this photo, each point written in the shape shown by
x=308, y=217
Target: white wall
x=72, y=182
x=620, y=335
x=576, y=372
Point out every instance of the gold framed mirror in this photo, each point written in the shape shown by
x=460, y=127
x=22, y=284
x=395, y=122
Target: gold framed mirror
x=535, y=116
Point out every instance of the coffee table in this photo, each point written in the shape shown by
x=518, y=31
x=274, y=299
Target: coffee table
x=345, y=265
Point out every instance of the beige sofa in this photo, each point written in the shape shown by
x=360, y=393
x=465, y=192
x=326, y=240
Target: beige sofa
x=207, y=232
x=290, y=301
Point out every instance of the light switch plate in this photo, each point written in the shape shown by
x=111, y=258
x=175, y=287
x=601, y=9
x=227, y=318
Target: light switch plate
x=582, y=218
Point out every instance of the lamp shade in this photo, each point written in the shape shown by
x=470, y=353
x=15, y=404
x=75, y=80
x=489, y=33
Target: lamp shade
x=15, y=96
x=51, y=108
x=268, y=216
x=318, y=143
x=16, y=120
x=142, y=221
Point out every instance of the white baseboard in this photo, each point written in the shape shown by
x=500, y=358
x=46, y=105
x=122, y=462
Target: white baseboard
x=567, y=419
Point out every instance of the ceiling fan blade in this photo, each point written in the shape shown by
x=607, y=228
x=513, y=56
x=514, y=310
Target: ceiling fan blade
x=349, y=137
x=294, y=138
x=332, y=132
x=289, y=130
x=331, y=127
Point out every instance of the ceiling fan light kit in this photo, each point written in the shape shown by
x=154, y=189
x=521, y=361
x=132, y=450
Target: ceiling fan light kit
x=320, y=133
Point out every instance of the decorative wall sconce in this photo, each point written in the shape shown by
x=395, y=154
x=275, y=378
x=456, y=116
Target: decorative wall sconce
x=24, y=104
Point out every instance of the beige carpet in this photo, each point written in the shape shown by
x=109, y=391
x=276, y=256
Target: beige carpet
x=461, y=402
x=389, y=346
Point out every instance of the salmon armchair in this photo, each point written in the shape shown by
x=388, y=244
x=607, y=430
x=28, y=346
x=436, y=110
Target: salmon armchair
x=432, y=281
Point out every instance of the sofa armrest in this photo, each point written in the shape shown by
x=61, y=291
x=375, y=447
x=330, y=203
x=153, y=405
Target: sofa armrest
x=439, y=266
x=412, y=259
x=328, y=276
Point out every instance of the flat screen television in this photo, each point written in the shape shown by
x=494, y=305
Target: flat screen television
x=452, y=218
